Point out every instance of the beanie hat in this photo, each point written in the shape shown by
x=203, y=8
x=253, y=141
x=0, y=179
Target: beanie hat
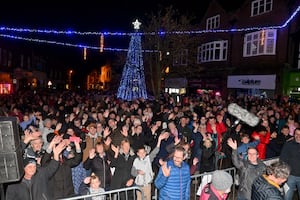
x=221, y=180
x=27, y=161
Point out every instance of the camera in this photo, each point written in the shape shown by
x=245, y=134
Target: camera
x=72, y=145
x=39, y=154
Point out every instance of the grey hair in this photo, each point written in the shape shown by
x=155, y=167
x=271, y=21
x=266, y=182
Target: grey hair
x=46, y=121
x=279, y=169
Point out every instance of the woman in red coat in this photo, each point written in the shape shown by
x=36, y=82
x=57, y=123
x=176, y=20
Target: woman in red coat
x=216, y=127
x=264, y=139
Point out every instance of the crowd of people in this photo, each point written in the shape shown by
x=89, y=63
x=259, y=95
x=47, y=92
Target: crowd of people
x=77, y=143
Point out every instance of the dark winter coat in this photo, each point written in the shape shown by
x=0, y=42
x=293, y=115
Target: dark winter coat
x=247, y=174
x=263, y=190
x=101, y=168
x=39, y=185
x=122, y=171
x=61, y=183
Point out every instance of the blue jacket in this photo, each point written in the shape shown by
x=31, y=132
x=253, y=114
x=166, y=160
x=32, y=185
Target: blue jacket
x=243, y=148
x=177, y=185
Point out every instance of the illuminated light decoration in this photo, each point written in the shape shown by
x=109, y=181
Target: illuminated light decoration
x=5, y=88
x=136, y=24
x=132, y=84
x=69, y=32
x=67, y=44
x=167, y=70
x=84, y=53
x=262, y=37
x=101, y=43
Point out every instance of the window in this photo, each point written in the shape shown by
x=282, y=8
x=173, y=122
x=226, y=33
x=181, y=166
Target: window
x=213, y=51
x=259, y=7
x=181, y=58
x=298, y=59
x=213, y=22
x=260, y=43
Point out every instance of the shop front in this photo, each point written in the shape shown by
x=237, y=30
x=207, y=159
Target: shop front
x=252, y=85
x=6, y=83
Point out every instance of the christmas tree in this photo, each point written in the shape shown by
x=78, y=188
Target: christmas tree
x=132, y=84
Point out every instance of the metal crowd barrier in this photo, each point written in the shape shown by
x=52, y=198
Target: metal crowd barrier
x=196, y=181
x=124, y=193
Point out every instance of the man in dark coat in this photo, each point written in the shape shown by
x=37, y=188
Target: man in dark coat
x=61, y=183
x=267, y=186
x=34, y=184
x=122, y=162
x=248, y=169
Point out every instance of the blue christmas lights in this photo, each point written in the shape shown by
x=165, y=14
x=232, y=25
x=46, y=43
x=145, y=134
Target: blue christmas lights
x=90, y=33
x=68, y=44
x=132, y=84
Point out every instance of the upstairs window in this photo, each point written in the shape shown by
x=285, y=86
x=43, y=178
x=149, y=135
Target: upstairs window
x=260, y=43
x=181, y=59
x=298, y=59
x=213, y=51
x=259, y=7
x=213, y=22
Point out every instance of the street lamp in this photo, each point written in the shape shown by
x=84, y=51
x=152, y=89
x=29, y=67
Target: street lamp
x=49, y=84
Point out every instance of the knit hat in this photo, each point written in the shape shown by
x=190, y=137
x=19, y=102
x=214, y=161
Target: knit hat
x=221, y=180
x=27, y=161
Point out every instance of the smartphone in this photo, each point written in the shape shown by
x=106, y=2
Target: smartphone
x=74, y=139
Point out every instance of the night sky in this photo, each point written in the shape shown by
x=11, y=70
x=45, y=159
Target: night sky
x=83, y=16
x=89, y=15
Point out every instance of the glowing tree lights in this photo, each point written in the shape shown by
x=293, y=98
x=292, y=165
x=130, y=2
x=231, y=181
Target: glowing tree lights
x=132, y=84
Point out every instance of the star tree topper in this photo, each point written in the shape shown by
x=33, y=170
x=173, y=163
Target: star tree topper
x=136, y=24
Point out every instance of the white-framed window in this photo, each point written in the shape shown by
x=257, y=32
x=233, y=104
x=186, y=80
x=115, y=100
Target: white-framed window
x=260, y=43
x=213, y=22
x=181, y=59
x=213, y=51
x=298, y=60
x=259, y=7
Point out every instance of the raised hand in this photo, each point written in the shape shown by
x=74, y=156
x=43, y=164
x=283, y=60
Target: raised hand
x=106, y=132
x=57, y=149
x=107, y=142
x=232, y=143
x=92, y=153
x=166, y=170
x=30, y=135
x=115, y=149
x=195, y=161
x=87, y=180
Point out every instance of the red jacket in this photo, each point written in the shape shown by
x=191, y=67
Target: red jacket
x=221, y=129
x=264, y=139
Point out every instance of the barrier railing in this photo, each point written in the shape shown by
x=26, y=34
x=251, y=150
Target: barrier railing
x=197, y=179
x=130, y=192
x=124, y=194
